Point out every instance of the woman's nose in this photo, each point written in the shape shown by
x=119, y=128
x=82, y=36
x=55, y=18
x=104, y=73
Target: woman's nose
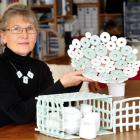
x=24, y=33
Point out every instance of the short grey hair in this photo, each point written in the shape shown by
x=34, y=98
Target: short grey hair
x=15, y=10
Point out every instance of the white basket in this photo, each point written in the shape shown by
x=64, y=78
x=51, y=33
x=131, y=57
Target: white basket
x=112, y=113
x=126, y=114
x=55, y=103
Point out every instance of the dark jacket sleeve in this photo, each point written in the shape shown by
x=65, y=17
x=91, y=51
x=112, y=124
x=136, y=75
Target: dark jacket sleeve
x=55, y=88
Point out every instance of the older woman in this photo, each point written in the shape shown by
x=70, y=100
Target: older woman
x=22, y=78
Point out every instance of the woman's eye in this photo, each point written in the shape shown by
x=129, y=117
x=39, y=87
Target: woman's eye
x=16, y=29
x=30, y=28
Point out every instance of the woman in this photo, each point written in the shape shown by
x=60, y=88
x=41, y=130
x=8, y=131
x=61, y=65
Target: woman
x=22, y=78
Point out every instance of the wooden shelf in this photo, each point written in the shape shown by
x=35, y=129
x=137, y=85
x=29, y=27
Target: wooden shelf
x=46, y=21
x=33, y=7
x=110, y=14
x=87, y=4
x=65, y=17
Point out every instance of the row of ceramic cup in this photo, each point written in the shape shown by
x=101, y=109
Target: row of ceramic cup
x=90, y=123
x=83, y=121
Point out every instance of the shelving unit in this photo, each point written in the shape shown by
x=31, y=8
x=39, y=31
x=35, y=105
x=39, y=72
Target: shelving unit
x=50, y=8
x=57, y=20
x=88, y=16
x=58, y=13
x=103, y=17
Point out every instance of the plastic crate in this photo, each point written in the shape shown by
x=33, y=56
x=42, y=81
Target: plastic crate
x=115, y=116
x=47, y=104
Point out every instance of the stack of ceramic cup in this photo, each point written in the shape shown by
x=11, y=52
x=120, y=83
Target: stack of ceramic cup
x=90, y=123
x=84, y=122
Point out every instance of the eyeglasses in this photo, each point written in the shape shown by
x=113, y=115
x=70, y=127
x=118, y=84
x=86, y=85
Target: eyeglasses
x=19, y=30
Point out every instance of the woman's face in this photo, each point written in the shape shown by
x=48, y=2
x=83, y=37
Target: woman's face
x=20, y=35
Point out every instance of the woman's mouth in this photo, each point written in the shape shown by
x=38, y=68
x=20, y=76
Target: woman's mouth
x=24, y=43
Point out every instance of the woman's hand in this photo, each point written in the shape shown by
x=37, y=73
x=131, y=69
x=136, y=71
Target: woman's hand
x=73, y=79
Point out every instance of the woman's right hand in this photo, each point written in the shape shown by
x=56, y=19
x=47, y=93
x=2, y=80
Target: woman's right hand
x=73, y=79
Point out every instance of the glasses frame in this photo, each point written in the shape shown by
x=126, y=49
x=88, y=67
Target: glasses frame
x=20, y=31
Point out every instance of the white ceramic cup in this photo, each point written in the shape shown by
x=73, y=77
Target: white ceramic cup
x=72, y=127
x=116, y=89
x=71, y=114
x=72, y=117
x=87, y=129
x=85, y=109
x=53, y=124
x=95, y=117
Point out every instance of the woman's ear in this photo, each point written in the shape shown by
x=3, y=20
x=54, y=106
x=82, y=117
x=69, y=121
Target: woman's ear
x=3, y=38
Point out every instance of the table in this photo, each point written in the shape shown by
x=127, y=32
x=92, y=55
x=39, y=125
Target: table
x=27, y=132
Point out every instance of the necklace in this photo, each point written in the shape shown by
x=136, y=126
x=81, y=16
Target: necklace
x=20, y=74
